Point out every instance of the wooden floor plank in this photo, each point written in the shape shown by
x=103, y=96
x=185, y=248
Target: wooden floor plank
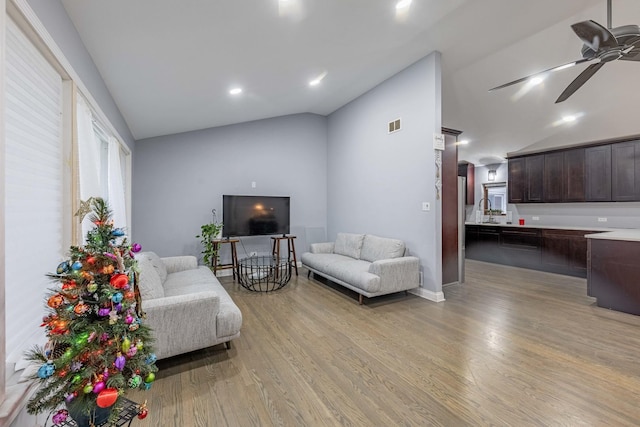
x=508, y=347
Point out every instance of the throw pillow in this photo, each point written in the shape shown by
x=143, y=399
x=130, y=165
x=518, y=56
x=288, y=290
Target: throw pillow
x=348, y=244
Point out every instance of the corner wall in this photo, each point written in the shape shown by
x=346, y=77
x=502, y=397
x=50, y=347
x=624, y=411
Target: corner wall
x=178, y=179
x=377, y=181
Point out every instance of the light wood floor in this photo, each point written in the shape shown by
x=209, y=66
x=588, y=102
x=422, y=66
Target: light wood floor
x=509, y=347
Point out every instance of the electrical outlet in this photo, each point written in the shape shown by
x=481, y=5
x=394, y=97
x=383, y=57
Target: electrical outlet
x=602, y=219
x=535, y=218
x=426, y=206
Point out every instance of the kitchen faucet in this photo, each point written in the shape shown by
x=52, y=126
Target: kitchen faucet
x=481, y=209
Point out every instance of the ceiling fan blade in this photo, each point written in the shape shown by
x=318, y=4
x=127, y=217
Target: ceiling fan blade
x=579, y=81
x=539, y=73
x=633, y=53
x=594, y=35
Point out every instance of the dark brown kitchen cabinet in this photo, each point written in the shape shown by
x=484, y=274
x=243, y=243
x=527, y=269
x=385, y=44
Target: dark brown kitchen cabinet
x=625, y=172
x=564, y=176
x=467, y=170
x=554, y=250
x=573, y=187
x=598, y=173
x=554, y=177
x=516, y=173
x=565, y=251
x=534, y=178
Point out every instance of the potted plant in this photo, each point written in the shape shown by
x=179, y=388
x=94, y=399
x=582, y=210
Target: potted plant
x=208, y=233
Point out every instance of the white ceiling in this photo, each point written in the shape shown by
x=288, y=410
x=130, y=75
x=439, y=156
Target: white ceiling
x=169, y=64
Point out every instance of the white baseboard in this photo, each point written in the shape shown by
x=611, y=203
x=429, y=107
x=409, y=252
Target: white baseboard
x=426, y=294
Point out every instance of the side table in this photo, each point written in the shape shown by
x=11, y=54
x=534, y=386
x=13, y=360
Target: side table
x=234, y=256
x=291, y=250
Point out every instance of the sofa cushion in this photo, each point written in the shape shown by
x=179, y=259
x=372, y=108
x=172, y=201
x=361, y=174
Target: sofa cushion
x=189, y=281
x=376, y=248
x=354, y=272
x=348, y=244
x=149, y=282
x=321, y=261
x=156, y=262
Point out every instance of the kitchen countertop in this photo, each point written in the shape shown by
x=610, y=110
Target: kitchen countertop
x=631, y=235
x=558, y=227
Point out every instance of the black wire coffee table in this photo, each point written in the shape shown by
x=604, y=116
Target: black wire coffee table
x=264, y=273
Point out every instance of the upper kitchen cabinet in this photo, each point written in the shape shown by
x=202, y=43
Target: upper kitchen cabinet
x=564, y=176
x=598, y=173
x=516, y=173
x=625, y=171
x=467, y=170
x=574, y=175
x=526, y=179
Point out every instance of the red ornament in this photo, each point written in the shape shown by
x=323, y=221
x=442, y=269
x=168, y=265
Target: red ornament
x=91, y=260
x=69, y=285
x=143, y=413
x=107, y=397
x=119, y=281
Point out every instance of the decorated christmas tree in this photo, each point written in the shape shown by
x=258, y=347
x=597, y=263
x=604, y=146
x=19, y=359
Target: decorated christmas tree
x=98, y=345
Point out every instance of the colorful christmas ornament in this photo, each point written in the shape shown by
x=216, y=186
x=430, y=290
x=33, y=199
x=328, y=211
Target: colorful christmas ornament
x=91, y=260
x=60, y=416
x=151, y=358
x=150, y=377
x=92, y=287
x=81, y=308
x=46, y=370
x=62, y=268
x=136, y=247
x=107, y=397
x=119, y=281
x=98, y=387
x=143, y=411
x=132, y=351
x=117, y=297
x=117, y=232
x=104, y=311
x=76, y=266
x=55, y=301
x=120, y=362
x=88, y=388
x=126, y=343
x=135, y=381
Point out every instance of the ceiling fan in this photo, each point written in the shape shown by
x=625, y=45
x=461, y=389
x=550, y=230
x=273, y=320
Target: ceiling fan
x=600, y=44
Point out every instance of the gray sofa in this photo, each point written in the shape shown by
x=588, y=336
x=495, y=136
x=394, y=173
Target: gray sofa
x=186, y=306
x=367, y=264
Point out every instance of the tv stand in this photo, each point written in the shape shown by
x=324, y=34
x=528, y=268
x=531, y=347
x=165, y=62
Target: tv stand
x=291, y=250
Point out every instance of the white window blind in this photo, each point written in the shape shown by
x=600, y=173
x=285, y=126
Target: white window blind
x=34, y=188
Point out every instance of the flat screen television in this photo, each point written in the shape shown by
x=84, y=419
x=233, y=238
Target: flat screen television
x=254, y=215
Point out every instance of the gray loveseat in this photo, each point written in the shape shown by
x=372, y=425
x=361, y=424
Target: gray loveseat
x=186, y=306
x=367, y=264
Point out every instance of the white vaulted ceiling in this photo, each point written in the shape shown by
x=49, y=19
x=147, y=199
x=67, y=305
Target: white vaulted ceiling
x=169, y=65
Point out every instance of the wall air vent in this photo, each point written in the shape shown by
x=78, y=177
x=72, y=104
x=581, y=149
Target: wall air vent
x=394, y=126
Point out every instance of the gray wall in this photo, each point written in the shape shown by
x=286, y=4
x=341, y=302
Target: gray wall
x=378, y=181
x=55, y=19
x=178, y=179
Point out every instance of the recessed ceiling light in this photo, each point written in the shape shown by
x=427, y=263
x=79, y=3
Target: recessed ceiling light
x=568, y=119
x=403, y=4
x=235, y=91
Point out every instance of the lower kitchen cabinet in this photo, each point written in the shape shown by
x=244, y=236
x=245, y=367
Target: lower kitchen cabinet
x=552, y=250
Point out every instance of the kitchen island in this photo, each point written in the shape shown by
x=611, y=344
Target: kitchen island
x=613, y=270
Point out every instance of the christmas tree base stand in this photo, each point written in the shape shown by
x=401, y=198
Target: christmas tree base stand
x=96, y=417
